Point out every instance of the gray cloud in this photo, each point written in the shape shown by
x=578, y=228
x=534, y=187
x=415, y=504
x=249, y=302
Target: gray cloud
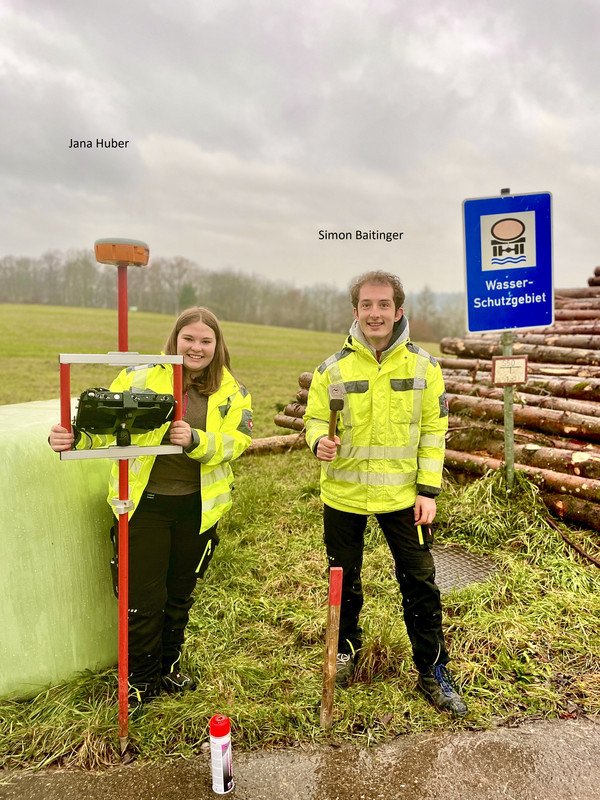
x=253, y=125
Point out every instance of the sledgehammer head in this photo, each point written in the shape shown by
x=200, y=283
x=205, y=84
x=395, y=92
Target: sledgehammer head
x=336, y=397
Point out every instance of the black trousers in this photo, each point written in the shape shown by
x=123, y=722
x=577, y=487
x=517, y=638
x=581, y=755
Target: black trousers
x=415, y=572
x=167, y=555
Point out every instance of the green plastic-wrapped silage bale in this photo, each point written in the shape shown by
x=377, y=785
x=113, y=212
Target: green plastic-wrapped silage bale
x=59, y=612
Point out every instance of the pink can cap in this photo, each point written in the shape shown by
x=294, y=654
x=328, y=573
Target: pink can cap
x=220, y=725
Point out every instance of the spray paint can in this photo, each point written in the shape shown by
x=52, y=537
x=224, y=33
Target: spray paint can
x=220, y=754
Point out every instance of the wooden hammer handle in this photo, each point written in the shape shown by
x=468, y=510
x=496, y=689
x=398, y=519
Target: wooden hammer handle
x=332, y=424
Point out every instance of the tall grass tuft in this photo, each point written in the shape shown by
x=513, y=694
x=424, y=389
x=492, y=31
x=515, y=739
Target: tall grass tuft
x=524, y=644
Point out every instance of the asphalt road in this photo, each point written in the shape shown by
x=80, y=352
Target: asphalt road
x=550, y=760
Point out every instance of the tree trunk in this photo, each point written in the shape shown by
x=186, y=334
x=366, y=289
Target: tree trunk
x=275, y=444
x=558, y=339
x=577, y=313
x=577, y=389
x=573, y=508
x=553, y=337
x=522, y=398
x=294, y=410
x=574, y=388
x=469, y=364
x=566, y=327
x=574, y=302
x=559, y=482
x=480, y=348
x=284, y=421
x=583, y=463
x=589, y=292
x=481, y=432
x=535, y=368
x=302, y=396
x=575, y=426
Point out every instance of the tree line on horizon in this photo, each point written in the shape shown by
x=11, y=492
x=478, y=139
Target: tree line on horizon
x=168, y=285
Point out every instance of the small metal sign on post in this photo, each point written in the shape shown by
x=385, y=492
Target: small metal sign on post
x=508, y=258
x=508, y=371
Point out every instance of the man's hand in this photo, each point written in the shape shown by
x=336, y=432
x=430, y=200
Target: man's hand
x=326, y=449
x=180, y=433
x=425, y=510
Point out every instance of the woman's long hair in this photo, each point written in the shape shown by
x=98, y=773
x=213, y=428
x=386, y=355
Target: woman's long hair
x=209, y=379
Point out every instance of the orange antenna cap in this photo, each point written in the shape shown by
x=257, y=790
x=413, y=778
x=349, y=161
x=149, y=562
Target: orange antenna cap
x=122, y=252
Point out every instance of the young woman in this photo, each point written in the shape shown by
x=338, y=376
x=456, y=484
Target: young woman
x=178, y=499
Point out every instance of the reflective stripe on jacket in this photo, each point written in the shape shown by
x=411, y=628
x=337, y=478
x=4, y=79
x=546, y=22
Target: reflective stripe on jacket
x=227, y=435
x=392, y=428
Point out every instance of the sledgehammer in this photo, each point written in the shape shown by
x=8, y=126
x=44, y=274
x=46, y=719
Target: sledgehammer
x=336, y=403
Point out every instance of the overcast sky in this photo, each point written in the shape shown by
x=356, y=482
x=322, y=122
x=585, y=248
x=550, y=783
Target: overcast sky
x=254, y=124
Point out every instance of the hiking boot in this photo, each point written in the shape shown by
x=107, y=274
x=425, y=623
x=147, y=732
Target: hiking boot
x=440, y=689
x=344, y=668
x=177, y=681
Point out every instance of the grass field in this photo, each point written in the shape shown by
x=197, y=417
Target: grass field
x=267, y=360
x=525, y=644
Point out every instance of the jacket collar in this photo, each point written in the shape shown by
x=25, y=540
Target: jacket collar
x=400, y=336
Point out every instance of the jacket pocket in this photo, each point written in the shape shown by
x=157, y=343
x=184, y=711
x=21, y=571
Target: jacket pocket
x=424, y=536
x=402, y=397
x=357, y=398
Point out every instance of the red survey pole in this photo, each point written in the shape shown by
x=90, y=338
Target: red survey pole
x=331, y=644
x=122, y=308
x=65, y=396
x=178, y=391
x=123, y=253
x=123, y=548
x=123, y=545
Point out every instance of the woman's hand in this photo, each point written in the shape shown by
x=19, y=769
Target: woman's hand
x=60, y=438
x=181, y=433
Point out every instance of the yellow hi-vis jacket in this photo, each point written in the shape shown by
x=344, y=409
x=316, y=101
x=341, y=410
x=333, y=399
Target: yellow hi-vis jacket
x=392, y=428
x=227, y=435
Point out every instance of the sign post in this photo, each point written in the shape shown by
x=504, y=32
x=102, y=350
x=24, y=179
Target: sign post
x=508, y=338
x=508, y=257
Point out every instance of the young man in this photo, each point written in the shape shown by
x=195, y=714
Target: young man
x=386, y=460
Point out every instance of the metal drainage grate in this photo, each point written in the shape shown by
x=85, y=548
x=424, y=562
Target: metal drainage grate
x=456, y=567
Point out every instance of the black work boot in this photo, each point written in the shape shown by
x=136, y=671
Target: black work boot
x=344, y=668
x=138, y=697
x=177, y=681
x=440, y=689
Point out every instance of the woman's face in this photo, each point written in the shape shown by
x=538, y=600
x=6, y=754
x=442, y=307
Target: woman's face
x=196, y=342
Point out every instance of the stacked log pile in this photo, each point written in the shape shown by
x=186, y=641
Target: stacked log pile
x=293, y=412
x=556, y=413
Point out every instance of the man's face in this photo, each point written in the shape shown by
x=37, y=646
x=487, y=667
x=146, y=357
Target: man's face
x=376, y=314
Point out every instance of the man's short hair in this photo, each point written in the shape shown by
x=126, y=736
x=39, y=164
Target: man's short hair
x=383, y=278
